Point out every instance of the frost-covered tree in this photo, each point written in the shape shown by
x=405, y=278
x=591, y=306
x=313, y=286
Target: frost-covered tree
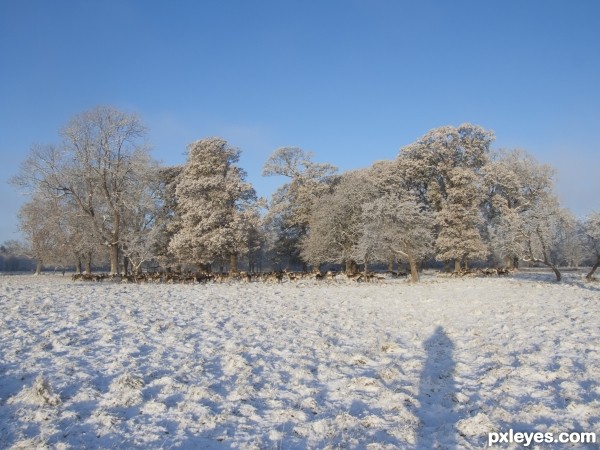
x=257, y=239
x=336, y=222
x=139, y=244
x=428, y=164
x=292, y=204
x=398, y=226
x=102, y=153
x=504, y=234
x=524, y=216
x=282, y=238
x=435, y=169
x=570, y=250
x=215, y=206
x=591, y=228
x=56, y=233
x=460, y=220
x=39, y=221
x=166, y=223
x=83, y=244
x=141, y=232
x=514, y=182
x=541, y=232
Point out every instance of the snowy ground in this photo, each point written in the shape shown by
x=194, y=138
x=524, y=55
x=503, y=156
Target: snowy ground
x=293, y=366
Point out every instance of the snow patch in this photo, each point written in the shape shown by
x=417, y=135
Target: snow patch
x=437, y=364
x=40, y=393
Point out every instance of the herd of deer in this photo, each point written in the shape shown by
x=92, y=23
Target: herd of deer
x=224, y=277
x=266, y=277
x=478, y=272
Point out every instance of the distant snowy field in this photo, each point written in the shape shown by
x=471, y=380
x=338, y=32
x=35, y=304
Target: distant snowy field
x=292, y=366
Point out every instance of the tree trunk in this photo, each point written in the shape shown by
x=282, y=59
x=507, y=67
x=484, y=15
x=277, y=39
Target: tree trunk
x=38, y=266
x=77, y=264
x=414, y=269
x=114, y=259
x=88, y=263
x=457, y=265
x=233, y=263
x=545, y=262
x=126, y=265
x=391, y=265
x=591, y=273
x=556, y=272
x=447, y=265
x=350, y=266
x=135, y=269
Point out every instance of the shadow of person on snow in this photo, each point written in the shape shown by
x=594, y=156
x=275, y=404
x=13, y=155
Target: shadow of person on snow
x=438, y=411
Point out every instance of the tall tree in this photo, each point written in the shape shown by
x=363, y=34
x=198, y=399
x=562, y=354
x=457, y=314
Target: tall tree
x=215, y=205
x=102, y=153
x=514, y=183
x=434, y=169
x=335, y=225
x=292, y=204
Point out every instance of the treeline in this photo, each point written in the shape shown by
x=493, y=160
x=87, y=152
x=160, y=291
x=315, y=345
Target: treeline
x=12, y=258
x=98, y=197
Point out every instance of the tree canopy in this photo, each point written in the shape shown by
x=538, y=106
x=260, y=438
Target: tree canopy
x=98, y=196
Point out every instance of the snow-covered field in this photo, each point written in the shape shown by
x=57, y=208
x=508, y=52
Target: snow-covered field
x=291, y=366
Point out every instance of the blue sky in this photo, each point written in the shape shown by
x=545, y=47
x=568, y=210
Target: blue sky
x=352, y=81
